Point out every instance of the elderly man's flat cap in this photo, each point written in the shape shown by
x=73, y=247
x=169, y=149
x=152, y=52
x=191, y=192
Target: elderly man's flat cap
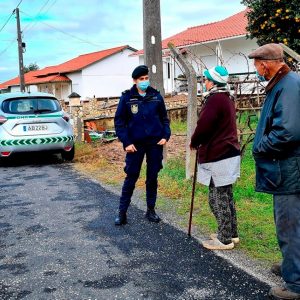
x=268, y=52
x=139, y=71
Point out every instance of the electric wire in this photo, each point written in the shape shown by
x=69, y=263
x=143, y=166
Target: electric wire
x=10, y=16
x=7, y=21
x=30, y=26
x=76, y=37
x=64, y=32
x=12, y=41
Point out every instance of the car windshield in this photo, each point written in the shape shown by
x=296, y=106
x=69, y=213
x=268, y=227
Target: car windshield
x=32, y=105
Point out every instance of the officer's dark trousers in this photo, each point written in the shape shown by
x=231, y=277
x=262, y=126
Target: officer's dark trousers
x=154, y=155
x=287, y=220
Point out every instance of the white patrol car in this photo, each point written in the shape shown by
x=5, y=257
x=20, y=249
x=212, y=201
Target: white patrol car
x=34, y=122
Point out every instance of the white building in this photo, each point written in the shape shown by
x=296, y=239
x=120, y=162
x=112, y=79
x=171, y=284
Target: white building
x=99, y=74
x=223, y=42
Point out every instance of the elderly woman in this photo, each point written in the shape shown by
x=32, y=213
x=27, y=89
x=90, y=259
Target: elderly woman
x=216, y=139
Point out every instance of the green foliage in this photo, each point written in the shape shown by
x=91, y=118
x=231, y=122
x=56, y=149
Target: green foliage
x=31, y=67
x=274, y=21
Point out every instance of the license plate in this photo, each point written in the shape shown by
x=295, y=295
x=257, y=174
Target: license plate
x=35, y=128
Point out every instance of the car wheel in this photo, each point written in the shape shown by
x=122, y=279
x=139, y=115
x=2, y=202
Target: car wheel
x=68, y=155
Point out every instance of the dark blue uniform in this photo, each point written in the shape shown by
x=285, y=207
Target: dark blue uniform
x=142, y=121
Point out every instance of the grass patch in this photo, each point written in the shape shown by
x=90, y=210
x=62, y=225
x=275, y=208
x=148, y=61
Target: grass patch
x=254, y=210
x=178, y=127
x=92, y=161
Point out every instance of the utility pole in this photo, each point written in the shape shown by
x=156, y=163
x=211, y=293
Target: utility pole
x=20, y=50
x=191, y=77
x=152, y=43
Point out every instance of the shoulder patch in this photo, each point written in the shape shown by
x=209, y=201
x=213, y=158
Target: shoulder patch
x=156, y=90
x=125, y=92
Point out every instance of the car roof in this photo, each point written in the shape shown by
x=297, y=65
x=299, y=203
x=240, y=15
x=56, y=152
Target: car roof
x=6, y=96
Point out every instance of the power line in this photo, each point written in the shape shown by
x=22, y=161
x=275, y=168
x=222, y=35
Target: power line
x=53, y=27
x=64, y=32
x=11, y=43
x=19, y=3
x=7, y=21
x=29, y=26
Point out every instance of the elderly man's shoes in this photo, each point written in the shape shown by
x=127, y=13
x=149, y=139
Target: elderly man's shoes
x=152, y=216
x=281, y=293
x=121, y=219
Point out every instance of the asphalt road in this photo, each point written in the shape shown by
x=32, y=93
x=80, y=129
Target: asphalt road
x=58, y=241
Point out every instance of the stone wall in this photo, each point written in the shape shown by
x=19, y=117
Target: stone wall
x=101, y=111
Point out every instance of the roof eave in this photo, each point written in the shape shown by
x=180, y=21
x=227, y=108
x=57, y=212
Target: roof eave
x=201, y=43
x=210, y=41
x=80, y=69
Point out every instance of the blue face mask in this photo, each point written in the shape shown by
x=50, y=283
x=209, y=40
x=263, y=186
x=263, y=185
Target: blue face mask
x=260, y=78
x=143, y=85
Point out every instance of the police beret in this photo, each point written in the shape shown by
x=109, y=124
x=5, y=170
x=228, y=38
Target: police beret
x=140, y=71
x=268, y=52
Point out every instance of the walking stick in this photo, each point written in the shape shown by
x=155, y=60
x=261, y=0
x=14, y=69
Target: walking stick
x=193, y=194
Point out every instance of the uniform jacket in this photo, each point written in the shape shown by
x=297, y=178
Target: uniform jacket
x=276, y=147
x=141, y=119
x=216, y=131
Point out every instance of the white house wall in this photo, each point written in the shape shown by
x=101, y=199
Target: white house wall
x=29, y=88
x=109, y=77
x=168, y=80
x=77, y=84
x=14, y=89
x=234, y=53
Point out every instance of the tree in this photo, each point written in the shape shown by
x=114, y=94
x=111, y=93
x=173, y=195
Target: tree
x=31, y=67
x=274, y=21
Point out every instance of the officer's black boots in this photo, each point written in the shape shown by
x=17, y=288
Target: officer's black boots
x=152, y=216
x=121, y=219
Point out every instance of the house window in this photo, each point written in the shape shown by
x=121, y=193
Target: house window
x=169, y=70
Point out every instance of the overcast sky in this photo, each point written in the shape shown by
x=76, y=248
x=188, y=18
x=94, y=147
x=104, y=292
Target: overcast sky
x=57, y=30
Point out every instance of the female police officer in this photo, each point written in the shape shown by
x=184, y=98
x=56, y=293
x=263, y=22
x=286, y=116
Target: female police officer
x=142, y=126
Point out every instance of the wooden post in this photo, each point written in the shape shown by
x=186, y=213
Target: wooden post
x=191, y=105
x=152, y=43
x=153, y=48
x=290, y=52
x=20, y=51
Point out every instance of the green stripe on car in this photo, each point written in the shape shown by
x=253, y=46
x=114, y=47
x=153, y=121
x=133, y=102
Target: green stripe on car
x=33, y=116
x=37, y=141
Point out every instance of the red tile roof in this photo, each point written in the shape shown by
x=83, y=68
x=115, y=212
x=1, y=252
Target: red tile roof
x=229, y=27
x=56, y=73
x=84, y=60
x=49, y=78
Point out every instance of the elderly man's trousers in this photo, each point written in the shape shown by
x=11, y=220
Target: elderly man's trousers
x=287, y=221
x=154, y=156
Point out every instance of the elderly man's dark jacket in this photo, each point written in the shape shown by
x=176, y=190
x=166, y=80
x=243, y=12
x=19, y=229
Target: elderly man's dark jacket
x=276, y=147
x=141, y=120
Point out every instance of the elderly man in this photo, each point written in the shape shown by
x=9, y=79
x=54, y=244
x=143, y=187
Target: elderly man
x=276, y=150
